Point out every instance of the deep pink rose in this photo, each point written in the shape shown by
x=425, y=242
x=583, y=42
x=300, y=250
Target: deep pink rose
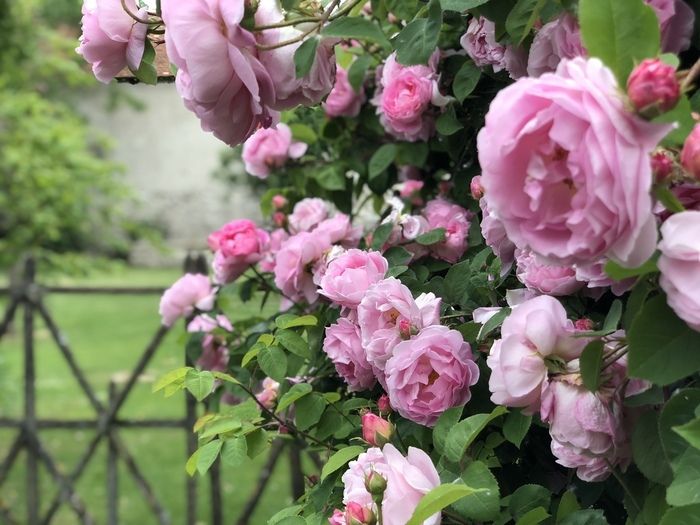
x=571, y=181
x=219, y=75
x=187, y=293
x=677, y=20
x=545, y=278
x=111, y=39
x=237, y=245
x=307, y=214
x=291, y=91
x=556, y=40
x=349, y=275
x=430, y=373
x=455, y=220
x=480, y=44
x=293, y=265
x=535, y=330
x=214, y=358
x=343, y=345
x=267, y=149
x=680, y=265
x=277, y=238
x=662, y=165
x=652, y=87
x=268, y=395
x=386, y=306
x=404, y=97
x=410, y=190
x=408, y=479
x=494, y=234
x=690, y=156
x=343, y=100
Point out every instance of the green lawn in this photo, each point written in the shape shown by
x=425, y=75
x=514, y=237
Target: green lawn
x=107, y=335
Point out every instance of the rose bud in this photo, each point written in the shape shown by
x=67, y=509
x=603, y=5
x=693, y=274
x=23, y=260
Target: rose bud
x=661, y=166
x=356, y=514
x=279, y=219
x=584, y=324
x=476, y=188
x=375, y=430
x=690, y=156
x=279, y=202
x=375, y=484
x=653, y=88
x=383, y=405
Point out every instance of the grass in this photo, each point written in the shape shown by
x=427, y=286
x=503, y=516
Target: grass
x=107, y=335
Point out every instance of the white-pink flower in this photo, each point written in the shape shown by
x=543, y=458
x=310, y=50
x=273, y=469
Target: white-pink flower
x=343, y=345
x=187, y=293
x=350, y=275
x=307, y=214
x=270, y=148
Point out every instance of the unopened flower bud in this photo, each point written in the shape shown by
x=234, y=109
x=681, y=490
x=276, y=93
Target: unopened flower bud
x=653, y=88
x=476, y=188
x=356, y=514
x=405, y=329
x=583, y=325
x=661, y=166
x=444, y=187
x=383, y=405
x=279, y=219
x=690, y=156
x=375, y=430
x=279, y=202
x=375, y=484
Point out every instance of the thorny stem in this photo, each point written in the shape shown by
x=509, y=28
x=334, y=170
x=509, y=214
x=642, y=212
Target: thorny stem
x=690, y=77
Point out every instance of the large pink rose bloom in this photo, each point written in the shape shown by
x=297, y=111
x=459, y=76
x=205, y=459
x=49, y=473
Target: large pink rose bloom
x=566, y=167
x=348, y=276
x=430, y=373
x=270, y=148
x=343, y=344
x=388, y=314
x=677, y=20
x=219, y=75
x=556, y=40
x=405, y=96
x=408, y=479
x=545, y=278
x=307, y=214
x=535, y=330
x=291, y=91
x=293, y=265
x=237, y=246
x=480, y=44
x=339, y=229
x=343, y=100
x=455, y=219
x=111, y=39
x=187, y=293
x=680, y=265
x=277, y=238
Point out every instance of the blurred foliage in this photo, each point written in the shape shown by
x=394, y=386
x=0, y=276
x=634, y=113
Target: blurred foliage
x=60, y=196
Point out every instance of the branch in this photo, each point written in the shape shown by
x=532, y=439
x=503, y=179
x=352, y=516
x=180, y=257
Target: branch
x=132, y=15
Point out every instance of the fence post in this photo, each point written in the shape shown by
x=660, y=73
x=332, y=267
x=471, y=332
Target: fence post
x=112, y=470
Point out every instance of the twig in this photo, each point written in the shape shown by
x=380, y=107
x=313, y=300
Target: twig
x=688, y=80
x=132, y=15
x=286, y=23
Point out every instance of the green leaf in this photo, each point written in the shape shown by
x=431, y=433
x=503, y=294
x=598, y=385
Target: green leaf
x=285, y=513
x=432, y=237
x=461, y=5
x=585, y=517
x=357, y=28
x=256, y=442
x=534, y=516
x=171, y=377
x=590, y=363
x=199, y=382
x=568, y=504
x=340, y=459
x=191, y=465
x=447, y=123
x=293, y=321
x=620, y=273
x=619, y=32
x=465, y=432
x=437, y=499
x=689, y=515
x=412, y=153
x=221, y=426
x=681, y=114
x=397, y=256
x=448, y=419
x=381, y=160
x=293, y=342
x=225, y=377
x=522, y=18
x=207, y=454
x=678, y=410
x=483, y=505
x=662, y=348
x=235, y=451
x=296, y=392
x=309, y=410
x=466, y=80
x=305, y=55
x=146, y=72
x=515, y=427
x=417, y=41
x=669, y=200
x=330, y=177
x=527, y=498
x=495, y=322
x=685, y=487
x=647, y=451
x=273, y=361
x=690, y=432
x=395, y=271
x=303, y=133
x=381, y=235
x=358, y=71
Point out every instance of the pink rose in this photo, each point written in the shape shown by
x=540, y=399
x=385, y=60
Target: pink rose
x=545, y=278
x=214, y=358
x=475, y=187
x=277, y=238
x=535, y=330
x=387, y=306
x=111, y=39
x=404, y=97
x=375, y=430
x=662, y=165
x=430, y=373
x=680, y=265
x=677, y=20
x=279, y=202
x=571, y=182
x=455, y=220
x=294, y=261
x=237, y=245
x=495, y=237
x=206, y=323
x=690, y=156
x=339, y=229
x=653, y=88
x=356, y=514
x=291, y=91
x=219, y=75
x=348, y=276
x=343, y=100
x=268, y=395
x=480, y=44
x=515, y=62
x=307, y=214
x=343, y=345
x=215, y=354
x=338, y=518
x=408, y=478
x=187, y=293
x=595, y=278
x=270, y=148
x=558, y=39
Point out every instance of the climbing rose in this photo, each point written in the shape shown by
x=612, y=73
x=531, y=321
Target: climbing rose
x=556, y=40
x=348, y=276
x=343, y=100
x=653, y=88
x=237, y=246
x=677, y=20
x=111, y=39
x=293, y=264
x=307, y=214
x=545, y=278
x=480, y=44
x=343, y=345
x=187, y=293
x=455, y=220
x=551, y=164
x=270, y=148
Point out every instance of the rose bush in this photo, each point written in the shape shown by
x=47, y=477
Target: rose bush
x=485, y=253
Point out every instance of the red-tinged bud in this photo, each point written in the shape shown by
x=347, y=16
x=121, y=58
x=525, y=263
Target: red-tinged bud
x=444, y=187
x=383, y=405
x=279, y=218
x=356, y=514
x=338, y=518
x=653, y=88
x=375, y=430
x=405, y=329
x=661, y=166
x=375, y=484
x=279, y=202
x=476, y=188
x=584, y=325
x=690, y=156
